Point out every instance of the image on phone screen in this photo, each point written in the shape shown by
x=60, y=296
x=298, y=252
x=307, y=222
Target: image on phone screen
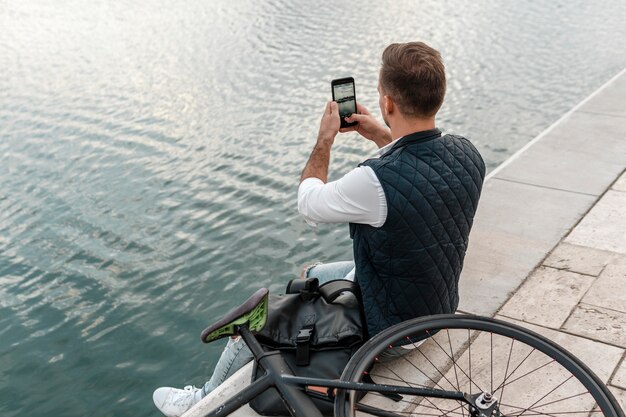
x=344, y=96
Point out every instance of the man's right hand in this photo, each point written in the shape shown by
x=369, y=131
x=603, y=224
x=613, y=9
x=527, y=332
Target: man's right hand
x=368, y=127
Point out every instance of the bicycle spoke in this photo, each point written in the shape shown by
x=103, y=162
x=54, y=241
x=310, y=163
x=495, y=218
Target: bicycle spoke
x=378, y=412
x=526, y=374
x=506, y=377
x=536, y=408
x=563, y=399
x=454, y=410
x=456, y=376
x=469, y=348
x=558, y=413
x=435, y=384
x=451, y=357
x=427, y=399
x=550, y=392
x=433, y=365
x=445, y=413
x=491, y=361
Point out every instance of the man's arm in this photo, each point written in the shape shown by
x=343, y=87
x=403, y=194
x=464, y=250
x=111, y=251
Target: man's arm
x=357, y=197
x=317, y=165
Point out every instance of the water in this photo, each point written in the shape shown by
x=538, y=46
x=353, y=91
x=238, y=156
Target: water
x=150, y=154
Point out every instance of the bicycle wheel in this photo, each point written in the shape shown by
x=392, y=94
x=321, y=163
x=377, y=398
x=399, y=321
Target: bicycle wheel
x=526, y=374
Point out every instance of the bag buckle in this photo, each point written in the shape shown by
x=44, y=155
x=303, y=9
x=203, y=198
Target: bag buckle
x=303, y=341
x=304, y=335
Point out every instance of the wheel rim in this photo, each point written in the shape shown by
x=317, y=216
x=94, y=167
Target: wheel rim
x=528, y=375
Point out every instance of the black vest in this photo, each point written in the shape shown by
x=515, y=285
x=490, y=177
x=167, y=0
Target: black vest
x=410, y=266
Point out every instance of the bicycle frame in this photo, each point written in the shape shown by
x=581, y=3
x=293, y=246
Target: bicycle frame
x=290, y=387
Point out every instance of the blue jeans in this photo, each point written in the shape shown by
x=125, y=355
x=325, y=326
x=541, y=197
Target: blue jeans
x=236, y=354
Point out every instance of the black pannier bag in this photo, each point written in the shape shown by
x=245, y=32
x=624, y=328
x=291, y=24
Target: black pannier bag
x=317, y=328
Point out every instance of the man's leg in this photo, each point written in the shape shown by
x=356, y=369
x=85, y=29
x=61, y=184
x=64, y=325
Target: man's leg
x=330, y=271
x=235, y=355
x=175, y=402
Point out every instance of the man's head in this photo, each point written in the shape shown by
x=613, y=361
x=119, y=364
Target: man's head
x=412, y=81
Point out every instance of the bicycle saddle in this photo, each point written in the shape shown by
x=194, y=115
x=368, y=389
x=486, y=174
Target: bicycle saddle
x=252, y=312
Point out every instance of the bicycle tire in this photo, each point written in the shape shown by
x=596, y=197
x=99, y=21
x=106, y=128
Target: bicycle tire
x=438, y=333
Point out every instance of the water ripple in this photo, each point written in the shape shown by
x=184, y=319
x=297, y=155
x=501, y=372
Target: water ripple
x=150, y=156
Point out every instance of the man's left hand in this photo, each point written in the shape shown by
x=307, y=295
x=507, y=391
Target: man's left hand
x=330, y=123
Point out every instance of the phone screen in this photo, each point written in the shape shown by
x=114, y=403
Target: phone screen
x=344, y=96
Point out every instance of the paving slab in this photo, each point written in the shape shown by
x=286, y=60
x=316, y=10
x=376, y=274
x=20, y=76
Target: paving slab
x=600, y=136
x=598, y=323
x=619, y=379
x=602, y=358
x=609, y=100
x=604, y=227
x=620, y=184
x=547, y=297
x=516, y=225
x=538, y=214
x=496, y=264
x=580, y=259
x=549, y=164
x=609, y=290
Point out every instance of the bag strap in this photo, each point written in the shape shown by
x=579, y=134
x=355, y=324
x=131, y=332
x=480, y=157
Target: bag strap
x=329, y=290
x=332, y=289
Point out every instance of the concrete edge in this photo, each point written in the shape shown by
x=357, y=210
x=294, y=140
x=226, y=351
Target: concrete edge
x=552, y=126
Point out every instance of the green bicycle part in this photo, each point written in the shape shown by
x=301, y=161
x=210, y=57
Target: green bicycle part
x=255, y=319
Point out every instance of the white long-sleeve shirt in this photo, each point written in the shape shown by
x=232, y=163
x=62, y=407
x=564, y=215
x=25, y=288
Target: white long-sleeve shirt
x=357, y=197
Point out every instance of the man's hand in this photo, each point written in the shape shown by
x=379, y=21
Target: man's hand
x=330, y=123
x=368, y=127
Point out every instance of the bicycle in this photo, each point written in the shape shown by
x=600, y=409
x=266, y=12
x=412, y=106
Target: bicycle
x=456, y=366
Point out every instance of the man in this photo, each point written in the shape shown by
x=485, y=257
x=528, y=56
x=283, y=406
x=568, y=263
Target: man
x=410, y=209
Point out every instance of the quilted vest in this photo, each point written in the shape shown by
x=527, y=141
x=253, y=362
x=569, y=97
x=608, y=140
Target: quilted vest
x=410, y=266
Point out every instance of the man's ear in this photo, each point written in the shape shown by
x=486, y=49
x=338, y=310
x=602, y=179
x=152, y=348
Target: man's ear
x=389, y=105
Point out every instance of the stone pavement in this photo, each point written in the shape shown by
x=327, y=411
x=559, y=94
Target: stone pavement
x=548, y=246
x=577, y=296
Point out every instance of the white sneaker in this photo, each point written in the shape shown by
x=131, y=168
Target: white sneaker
x=175, y=402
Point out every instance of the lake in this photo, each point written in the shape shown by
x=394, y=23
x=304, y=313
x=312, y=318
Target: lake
x=150, y=154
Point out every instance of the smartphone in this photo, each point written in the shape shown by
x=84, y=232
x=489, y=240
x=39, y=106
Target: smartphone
x=344, y=95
